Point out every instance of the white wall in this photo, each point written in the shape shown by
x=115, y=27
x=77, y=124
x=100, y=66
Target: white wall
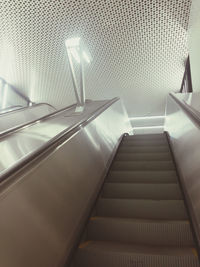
x=194, y=44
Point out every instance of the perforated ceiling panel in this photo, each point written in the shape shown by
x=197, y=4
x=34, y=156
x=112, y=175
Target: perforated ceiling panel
x=138, y=47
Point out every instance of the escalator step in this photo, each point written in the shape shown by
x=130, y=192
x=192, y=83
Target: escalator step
x=142, y=209
x=142, y=177
x=141, y=191
x=143, y=165
x=145, y=137
x=156, y=142
x=143, y=149
x=140, y=219
x=143, y=156
x=111, y=254
x=140, y=232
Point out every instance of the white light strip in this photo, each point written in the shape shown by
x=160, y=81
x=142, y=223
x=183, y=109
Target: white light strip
x=75, y=54
x=147, y=118
x=149, y=127
x=73, y=46
x=72, y=42
x=86, y=57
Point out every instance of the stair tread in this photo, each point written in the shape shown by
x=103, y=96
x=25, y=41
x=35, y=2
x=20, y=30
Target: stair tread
x=127, y=247
x=149, y=232
x=117, y=254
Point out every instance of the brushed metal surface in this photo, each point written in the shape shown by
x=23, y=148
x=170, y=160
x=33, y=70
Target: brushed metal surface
x=185, y=140
x=19, y=117
x=19, y=145
x=43, y=207
x=190, y=100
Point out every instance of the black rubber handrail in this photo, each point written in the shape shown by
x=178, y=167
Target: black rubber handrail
x=195, y=115
x=52, y=144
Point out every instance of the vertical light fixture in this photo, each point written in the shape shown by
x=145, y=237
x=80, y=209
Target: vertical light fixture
x=76, y=51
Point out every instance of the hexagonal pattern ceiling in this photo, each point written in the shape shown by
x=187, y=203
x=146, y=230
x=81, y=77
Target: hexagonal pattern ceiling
x=138, y=47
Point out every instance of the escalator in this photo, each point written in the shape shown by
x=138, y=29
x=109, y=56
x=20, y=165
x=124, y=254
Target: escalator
x=140, y=218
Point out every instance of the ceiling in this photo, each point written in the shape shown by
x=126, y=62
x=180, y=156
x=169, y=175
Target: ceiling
x=138, y=47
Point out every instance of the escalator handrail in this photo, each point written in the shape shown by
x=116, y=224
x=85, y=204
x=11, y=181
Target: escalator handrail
x=52, y=144
x=191, y=112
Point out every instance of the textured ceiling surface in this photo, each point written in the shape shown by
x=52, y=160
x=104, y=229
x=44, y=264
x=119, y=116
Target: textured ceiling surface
x=138, y=47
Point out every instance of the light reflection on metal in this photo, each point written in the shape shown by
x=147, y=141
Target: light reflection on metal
x=11, y=97
x=29, y=140
x=76, y=51
x=92, y=140
x=5, y=94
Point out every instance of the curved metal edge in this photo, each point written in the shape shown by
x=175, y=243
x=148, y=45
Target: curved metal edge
x=44, y=103
x=52, y=144
x=28, y=124
x=188, y=110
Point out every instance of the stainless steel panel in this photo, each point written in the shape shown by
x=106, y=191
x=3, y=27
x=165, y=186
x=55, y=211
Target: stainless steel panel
x=185, y=140
x=191, y=100
x=43, y=207
x=19, y=117
x=19, y=145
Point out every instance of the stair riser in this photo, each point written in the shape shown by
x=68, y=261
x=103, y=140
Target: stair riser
x=143, y=165
x=144, y=143
x=143, y=157
x=142, y=209
x=141, y=191
x=142, y=176
x=143, y=149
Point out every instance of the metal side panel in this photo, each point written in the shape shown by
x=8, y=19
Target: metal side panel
x=22, y=116
x=20, y=145
x=184, y=134
x=43, y=206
